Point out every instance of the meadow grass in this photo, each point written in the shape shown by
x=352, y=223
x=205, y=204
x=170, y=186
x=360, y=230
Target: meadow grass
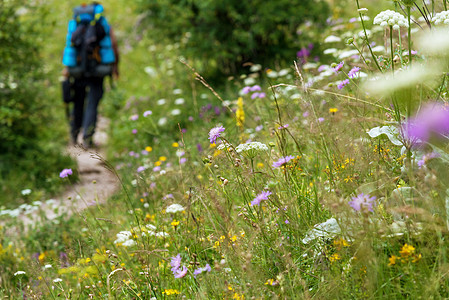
x=338, y=199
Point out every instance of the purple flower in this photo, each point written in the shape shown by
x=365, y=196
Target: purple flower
x=283, y=126
x=353, y=72
x=180, y=273
x=259, y=128
x=147, y=113
x=144, y=152
x=339, y=66
x=198, y=271
x=305, y=114
x=322, y=68
x=254, y=96
x=191, y=119
x=342, y=84
x=134, y=117
x=256, y=88
x=303, y=53
x=260, y=197
x=65, y=173
x=362, y=200
x=156, y=169
x=282, y=161
x=214, y=133
x=140, y=169
x=287, y=222
x=199, y=147
x=134, y=131
x=431, y=120
x=182, y=160
x=262, y=95
x=246, y=90
x=426, y=158
x=320, y=120
x=175, y=262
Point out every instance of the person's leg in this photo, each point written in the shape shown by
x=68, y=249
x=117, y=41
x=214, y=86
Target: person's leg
x=76, y=118
x=90, y=116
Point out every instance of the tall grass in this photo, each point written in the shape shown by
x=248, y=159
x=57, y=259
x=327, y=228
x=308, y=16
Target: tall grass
x=340, y=201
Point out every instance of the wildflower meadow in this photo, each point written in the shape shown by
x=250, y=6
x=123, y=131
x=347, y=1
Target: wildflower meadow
x=323, y=175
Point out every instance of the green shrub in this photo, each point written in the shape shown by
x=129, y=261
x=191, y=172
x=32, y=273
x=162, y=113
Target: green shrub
x=29, y=153
x=226, y=34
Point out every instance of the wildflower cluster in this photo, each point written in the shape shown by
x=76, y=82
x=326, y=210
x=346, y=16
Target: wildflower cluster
x=407, y=253
x=441, y=18
x=390, y=18
x=175, y=263
x=251, y=149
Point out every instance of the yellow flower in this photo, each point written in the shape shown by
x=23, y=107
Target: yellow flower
x=162, y=158
x=334, y=257
x=333, y=110
x=148, y=149
x=407, y=250
x=341, y=243
x=233, y=238
x=174, y=223
x=158, y=163
x=41, y=257
x=240, y=113
x=392, y=260
x=260, y=165
x=175, y=145
x=170, y=292
x=416, y=258
x=217, y=152
x=213, y=145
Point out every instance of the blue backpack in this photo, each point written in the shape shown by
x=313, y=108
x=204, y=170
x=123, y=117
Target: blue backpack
x=88, y=51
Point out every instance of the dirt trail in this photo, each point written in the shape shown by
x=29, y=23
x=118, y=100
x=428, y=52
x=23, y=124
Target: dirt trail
x=96, y=183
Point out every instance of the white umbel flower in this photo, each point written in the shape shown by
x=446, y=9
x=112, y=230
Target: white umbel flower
x=174, y=208
x=251, y=149
x=441, y=18
x=389, y=18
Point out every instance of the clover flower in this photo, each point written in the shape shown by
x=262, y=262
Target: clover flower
x=214, y=133
x=362, y=201
x=174, y=208
x=441, y=18
x=282, y=161
x=390, y=18
x=65, y=173
x=251, y=149
x=260, y=197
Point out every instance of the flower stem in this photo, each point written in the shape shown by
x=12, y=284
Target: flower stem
x=391, y=47
x=409, y=37
x=366, y=37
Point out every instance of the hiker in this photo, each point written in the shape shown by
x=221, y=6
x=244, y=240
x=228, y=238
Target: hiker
x=91, y=54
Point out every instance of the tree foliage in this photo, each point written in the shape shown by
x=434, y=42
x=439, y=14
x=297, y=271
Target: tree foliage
x=229, y=33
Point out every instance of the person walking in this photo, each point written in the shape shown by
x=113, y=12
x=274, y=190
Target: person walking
x=91, y=54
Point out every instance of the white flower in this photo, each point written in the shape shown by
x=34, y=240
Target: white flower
x=330, y=51
x=179, y=101
x=251, y=149
x=47, y=266
x=174, y=208
x=161, y=102
x=175, y=112
x=441, y=18
x=177, y=91
x=390, y=18
x=348, y=53
x=26, y=192
x=255, y=68
x=249, y=81
x=332, y=39
x=122, y=237
x=146, y=205
x=272, y=74
x=129, y=243
x=363, y=10
x=150, y=226
x=150, y=71
x=162, y=121
x=161, y=234
x=19, y=273
x=57, y=280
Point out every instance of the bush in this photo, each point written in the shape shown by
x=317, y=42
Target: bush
x=226, y=34
x=25, y=109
